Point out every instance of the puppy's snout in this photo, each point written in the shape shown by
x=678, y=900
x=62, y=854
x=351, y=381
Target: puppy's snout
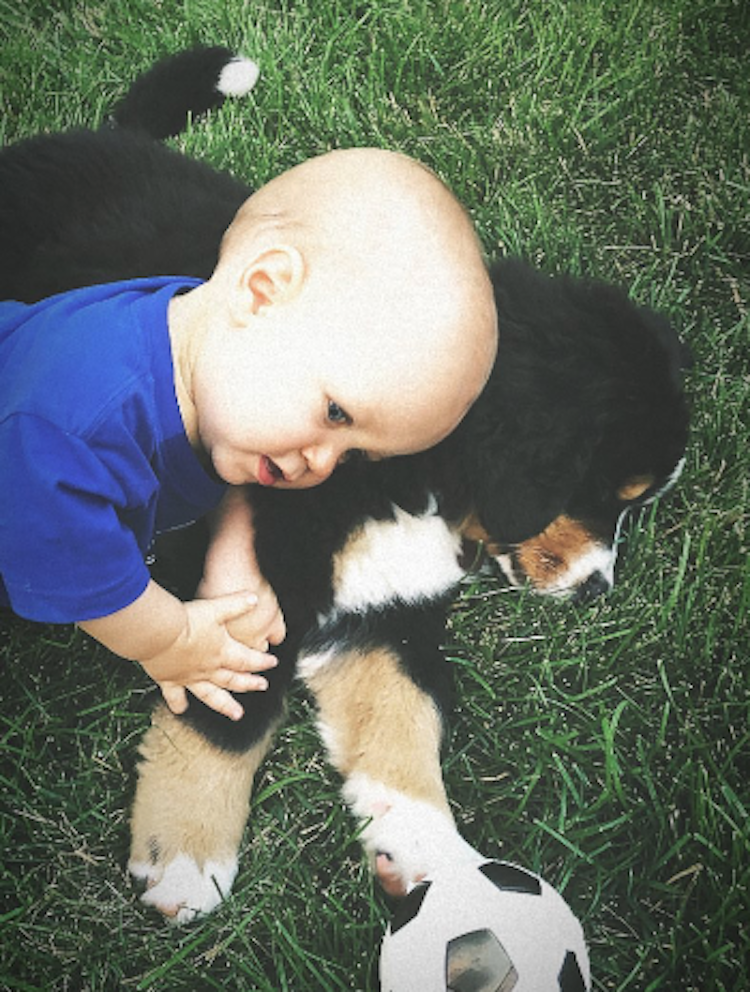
x=597, y=584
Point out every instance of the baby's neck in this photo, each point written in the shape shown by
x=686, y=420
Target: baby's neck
x=184, y=334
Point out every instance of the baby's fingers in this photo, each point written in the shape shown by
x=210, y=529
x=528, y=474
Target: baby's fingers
x=174, y=696
x=240, y=681
x=217, y=699
x=231, y=607
x=246, y=660
x=240, y=677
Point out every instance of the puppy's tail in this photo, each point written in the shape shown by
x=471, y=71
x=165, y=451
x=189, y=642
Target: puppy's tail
x=160, y=101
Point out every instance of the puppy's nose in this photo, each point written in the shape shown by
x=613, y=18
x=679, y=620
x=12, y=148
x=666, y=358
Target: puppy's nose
x=595, y=585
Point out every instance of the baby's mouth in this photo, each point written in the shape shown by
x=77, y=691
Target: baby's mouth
x=269, y=472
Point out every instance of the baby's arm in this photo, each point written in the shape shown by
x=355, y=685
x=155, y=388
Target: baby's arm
x=186, y=645
x=230, y=566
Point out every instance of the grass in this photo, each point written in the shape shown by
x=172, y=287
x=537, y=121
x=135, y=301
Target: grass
x=606, y=747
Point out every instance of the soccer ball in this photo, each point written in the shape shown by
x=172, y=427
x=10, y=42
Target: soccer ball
x=487, y=926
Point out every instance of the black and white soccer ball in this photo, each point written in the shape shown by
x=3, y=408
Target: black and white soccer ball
x=487, y=926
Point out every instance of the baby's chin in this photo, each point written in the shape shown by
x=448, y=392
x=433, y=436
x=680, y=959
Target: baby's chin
x=229, y=474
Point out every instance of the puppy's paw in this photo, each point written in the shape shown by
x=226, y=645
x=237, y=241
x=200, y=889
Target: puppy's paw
x=407, y=839
x=390, y=877
x=189, y=812
x=181, y=890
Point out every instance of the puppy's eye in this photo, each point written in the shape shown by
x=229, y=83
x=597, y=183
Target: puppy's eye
x=337, y=415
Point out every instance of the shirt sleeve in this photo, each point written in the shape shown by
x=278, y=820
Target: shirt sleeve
x=66, y=551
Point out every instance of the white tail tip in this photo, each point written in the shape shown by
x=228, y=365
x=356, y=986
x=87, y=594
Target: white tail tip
x=238, y=77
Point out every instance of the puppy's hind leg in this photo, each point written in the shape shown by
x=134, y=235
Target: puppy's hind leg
x=190, y=810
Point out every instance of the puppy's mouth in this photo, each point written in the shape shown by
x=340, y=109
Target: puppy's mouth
x=269, y=472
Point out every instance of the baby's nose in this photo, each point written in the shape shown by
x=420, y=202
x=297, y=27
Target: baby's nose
x=322, y=460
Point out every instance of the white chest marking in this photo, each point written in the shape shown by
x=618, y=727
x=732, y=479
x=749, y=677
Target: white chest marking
x=409, y=558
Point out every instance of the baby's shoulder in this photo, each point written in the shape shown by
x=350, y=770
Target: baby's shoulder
x=74, y=356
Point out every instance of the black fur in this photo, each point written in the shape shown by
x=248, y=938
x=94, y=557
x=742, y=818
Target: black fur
x=297, y=535
x=192, y=74
x=587, y=392
x=87, y=207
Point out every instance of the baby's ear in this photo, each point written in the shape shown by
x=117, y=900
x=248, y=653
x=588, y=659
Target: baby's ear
x=274, y=276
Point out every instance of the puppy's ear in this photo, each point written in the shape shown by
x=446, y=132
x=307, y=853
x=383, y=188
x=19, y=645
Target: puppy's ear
x=517, y=498
x=523, y=466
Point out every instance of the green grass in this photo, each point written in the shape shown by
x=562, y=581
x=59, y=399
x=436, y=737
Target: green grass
x=606, y=747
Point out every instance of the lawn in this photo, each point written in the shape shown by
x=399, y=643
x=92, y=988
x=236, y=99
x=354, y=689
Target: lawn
x=606, y=747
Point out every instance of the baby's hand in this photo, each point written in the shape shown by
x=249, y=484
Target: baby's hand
x=208, y=661
x=262, y=626
x=257, y=628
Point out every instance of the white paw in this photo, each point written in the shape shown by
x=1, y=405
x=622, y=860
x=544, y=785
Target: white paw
x=418, y=840
x=416, y=837
x=181, y=890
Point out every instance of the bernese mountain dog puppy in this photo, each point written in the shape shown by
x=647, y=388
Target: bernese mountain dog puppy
x=583, y=420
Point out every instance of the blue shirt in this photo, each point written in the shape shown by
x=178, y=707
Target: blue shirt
x=94, y=459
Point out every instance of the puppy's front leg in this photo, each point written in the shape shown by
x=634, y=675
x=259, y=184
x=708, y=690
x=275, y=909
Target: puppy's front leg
x=383, y=735
x=190, y=809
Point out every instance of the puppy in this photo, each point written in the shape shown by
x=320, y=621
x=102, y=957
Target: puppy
x=583, y=420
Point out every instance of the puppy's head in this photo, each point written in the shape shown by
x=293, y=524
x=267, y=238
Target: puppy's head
x=584, y=420
x=574, y=556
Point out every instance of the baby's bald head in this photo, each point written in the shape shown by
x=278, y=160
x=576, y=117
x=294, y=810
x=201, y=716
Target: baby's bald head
x=377, y=255
x=348, y=201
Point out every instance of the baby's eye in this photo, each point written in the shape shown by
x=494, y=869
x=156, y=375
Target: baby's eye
x=337, y=415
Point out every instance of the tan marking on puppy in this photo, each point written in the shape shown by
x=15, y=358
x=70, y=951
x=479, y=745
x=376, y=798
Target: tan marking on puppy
x=191, y=798
x=556, y=562
x=544, y=558
x=377, y=723
x=635, y=487
x=471, y=529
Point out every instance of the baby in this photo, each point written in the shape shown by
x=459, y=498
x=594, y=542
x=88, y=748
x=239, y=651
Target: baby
x=349, y=310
